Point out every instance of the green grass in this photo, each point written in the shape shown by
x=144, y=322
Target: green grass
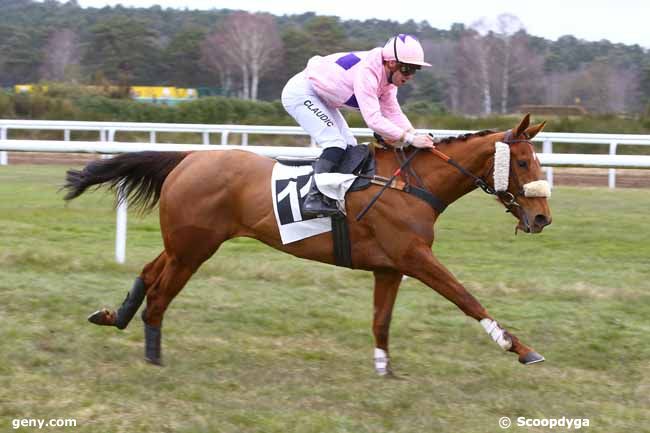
x=263, y=342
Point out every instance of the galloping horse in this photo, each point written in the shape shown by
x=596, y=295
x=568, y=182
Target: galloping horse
x=206, y=198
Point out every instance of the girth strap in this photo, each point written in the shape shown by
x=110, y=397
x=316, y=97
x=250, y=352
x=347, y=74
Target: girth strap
x=426, y=196
x=436, y=203
x=341, y=237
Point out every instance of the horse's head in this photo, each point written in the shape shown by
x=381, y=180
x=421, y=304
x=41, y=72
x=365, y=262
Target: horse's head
x=518, y=177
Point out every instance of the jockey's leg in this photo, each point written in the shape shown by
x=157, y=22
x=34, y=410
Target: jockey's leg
x=419, y=262
x=317, y=204
x=386, y=287
x=323, y=124
x=344, y=129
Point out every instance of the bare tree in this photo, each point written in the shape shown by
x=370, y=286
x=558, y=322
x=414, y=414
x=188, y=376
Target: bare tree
x=481, y=48
x=216, y=57
x=249, y=42
x=441, y=54
x=61, y=53
x=496, y=68
x=507, y=25
x=472, y=74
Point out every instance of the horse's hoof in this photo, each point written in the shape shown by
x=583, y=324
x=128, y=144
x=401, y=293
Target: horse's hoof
x=531, y=357
x=102, y=318
x=154, y=361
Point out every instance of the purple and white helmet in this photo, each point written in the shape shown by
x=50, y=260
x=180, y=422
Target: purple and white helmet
x=404, y=49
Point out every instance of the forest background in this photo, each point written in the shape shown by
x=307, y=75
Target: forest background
x=87, y=58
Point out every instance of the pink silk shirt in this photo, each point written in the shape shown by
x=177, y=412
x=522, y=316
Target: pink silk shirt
x=358, y=80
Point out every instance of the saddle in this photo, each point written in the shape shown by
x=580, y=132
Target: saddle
x=358, y=160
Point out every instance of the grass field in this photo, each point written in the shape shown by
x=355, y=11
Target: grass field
x=262, y=342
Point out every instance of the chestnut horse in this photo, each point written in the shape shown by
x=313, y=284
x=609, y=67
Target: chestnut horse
x=206, y=198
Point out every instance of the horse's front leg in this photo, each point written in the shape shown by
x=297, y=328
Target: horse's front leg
x=420, y=263
x=386, y=286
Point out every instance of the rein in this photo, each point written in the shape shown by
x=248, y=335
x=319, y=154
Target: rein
x=506, y=197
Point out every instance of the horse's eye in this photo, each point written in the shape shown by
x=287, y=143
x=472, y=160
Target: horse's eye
x=522, y=164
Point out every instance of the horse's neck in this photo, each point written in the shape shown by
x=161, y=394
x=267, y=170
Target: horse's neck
x=447, y=182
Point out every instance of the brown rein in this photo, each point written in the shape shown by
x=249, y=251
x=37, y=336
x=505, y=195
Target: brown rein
x=505, y=197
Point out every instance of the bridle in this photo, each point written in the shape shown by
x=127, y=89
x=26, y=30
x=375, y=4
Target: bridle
x=508, y=199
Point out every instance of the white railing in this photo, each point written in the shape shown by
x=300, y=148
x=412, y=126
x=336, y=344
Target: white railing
x=546, y=159
x=108, y=130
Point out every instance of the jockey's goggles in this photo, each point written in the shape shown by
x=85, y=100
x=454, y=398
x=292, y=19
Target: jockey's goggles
x=408, y=69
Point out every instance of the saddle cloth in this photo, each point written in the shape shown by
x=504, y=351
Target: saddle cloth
x=291, y=180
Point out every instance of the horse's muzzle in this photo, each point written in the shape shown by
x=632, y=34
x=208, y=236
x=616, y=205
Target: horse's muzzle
x=536, y=225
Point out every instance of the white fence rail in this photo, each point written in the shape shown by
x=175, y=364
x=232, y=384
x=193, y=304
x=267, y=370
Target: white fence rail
x=546, y=159
x=108, y=130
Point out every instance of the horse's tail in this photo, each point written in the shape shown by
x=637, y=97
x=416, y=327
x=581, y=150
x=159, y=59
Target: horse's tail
x=140, y=175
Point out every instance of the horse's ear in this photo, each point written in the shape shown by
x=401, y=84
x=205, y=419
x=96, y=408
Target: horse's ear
x=535, y=129
x=522, y=125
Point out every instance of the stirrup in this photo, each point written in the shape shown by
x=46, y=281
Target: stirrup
x=319, y=205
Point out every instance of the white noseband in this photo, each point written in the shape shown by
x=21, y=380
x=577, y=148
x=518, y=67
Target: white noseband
x=538, y=188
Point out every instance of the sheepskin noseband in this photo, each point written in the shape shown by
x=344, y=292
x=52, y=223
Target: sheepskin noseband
x=538, y=188
x=501, y=166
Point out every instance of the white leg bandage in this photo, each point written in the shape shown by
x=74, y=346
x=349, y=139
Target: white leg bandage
x=496, y=333
x=381, y=362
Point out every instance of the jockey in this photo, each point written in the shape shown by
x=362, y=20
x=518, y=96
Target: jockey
x=366, y=81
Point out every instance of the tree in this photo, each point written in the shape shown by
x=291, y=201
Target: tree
x=182, y=56
x=124, y=50
x=508, y=25
x=327, y=34
x=60, y=54
x=215, y=58
x=472, y=74
x=249, y=42
x=299, y=47
x=644, y=87
x=19, y=60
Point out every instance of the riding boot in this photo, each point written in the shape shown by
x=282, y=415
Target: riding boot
x=316, y=204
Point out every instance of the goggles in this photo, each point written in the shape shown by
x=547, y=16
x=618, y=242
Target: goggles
x=408, y=69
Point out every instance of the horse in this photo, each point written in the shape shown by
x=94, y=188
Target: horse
x=207, y=198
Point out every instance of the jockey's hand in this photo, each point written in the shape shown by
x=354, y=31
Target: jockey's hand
x=423, y=142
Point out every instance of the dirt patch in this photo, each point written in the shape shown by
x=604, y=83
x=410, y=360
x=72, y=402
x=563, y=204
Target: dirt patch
x=42, y=158
x=600, y=177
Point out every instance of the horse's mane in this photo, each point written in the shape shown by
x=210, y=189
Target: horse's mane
x=448, y=140
x=465, y=137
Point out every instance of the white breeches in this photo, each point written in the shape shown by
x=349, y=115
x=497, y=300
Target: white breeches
x=324, y=124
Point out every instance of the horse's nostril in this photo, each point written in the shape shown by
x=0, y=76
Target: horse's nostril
x=541, y=220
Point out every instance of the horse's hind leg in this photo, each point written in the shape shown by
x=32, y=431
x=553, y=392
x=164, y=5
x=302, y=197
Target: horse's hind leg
x=121, y=317
x=169, y=283
x=185, y=250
